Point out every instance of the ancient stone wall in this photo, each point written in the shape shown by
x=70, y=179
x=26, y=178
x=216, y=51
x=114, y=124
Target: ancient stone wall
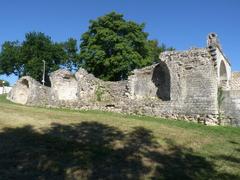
x=198, y=88
x=60, y=81
x=235, y=81
x=231, y=107
x=28, y=91
x=231, y=104
x=220, y=61
x=183, y=84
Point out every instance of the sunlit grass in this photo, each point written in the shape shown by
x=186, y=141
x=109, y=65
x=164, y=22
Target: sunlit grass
x=214, y=149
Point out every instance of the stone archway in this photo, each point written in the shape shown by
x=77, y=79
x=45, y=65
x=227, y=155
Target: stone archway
x=162, y=80
x=223, y=77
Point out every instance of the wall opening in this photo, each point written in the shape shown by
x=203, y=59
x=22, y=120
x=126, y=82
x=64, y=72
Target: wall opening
x=25, y=83
x=161, y=79
x=66, y=77
x=48, y=81
x=223, y=74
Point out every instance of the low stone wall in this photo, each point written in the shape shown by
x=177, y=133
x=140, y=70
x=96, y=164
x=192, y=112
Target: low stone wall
x=231, y=106
x=235, y=81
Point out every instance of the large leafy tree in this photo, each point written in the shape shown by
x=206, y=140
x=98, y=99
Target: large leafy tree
x=27, y=58
x=36, y=48
x=155, y=50
x=71, y=58
x=10, y=60
x=112, y=47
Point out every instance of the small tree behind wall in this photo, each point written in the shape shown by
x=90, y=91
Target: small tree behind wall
x=4, y=83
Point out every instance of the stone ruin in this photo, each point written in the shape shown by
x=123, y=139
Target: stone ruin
x=183, y=85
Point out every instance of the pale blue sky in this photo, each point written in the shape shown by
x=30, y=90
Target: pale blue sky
x=178, y=23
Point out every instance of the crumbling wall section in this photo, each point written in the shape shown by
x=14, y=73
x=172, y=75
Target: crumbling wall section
x=64, y=86
x=197, y=79
x=235, y=81
x=92, y=89
x=182, y=83
x=231, y=107
x=141, y=85
x=29, y=91
x=231, y=101
x=87, y=85
x=221, y=62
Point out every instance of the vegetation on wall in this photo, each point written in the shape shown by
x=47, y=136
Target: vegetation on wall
x=99, y=92
x=220, y=99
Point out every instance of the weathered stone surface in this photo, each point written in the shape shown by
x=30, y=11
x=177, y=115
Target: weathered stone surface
x=29, y=91
x=231, y=107
x=64, y=86
x=183, y=85
x=87, y=85
x=235, y=81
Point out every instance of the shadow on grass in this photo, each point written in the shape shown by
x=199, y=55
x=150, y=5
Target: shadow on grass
x=232, y=157
x=91, y=150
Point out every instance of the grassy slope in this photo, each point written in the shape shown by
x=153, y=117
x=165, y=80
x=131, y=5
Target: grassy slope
x=64, y=144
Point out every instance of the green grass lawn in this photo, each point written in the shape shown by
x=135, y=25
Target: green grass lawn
x=39, y=143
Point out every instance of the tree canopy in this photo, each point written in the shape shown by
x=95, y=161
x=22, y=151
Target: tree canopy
x=112, y=47
x=10, y=61
x=26, y=58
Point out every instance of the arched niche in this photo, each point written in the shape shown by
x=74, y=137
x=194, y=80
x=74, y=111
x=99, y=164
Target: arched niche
x=162, y=80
